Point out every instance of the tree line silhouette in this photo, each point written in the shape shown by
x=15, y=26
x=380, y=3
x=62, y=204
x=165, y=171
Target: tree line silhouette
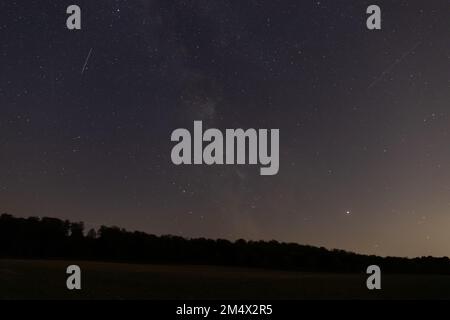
x=51, y=238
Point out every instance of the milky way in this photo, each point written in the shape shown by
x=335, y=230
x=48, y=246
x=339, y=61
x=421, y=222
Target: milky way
x=86, y=117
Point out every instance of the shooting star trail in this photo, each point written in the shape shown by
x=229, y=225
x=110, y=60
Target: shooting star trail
x=392, y=65
x=86, y=61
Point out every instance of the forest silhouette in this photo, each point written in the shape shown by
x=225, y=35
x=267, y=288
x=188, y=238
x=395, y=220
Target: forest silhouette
x=52, y=238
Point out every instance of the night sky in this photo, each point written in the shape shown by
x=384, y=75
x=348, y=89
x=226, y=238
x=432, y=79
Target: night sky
x=86, y=118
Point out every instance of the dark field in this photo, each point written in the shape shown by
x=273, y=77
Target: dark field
x=32, y=279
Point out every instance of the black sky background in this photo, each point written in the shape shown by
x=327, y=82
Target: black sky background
x=363, y=118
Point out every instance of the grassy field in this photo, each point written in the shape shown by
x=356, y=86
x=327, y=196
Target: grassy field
x=38, y=279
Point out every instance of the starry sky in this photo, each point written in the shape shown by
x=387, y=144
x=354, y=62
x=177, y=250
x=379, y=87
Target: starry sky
x=86, y=118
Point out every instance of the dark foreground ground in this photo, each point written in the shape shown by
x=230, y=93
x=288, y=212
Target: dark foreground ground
x=31, y=279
